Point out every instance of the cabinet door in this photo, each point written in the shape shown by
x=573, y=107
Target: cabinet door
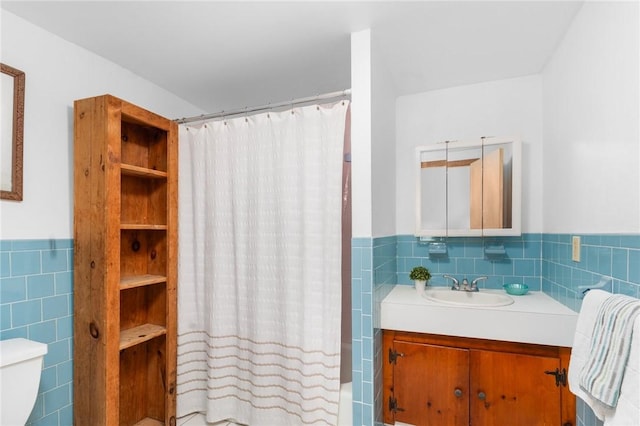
x=431, y=385
x=513, y=389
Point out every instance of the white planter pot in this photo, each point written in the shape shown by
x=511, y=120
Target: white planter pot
x=420, y=284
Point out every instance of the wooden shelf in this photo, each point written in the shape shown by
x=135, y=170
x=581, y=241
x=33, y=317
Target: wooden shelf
x=140, y=280
x=136, y=335
x=130, y=170
x=128, y=368
x=143, y=227
x=149, y=422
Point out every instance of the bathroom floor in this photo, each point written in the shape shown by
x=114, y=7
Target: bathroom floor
x=199, y=419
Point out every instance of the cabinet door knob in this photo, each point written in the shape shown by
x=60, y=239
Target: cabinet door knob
x=457, y=392
x=482, y=396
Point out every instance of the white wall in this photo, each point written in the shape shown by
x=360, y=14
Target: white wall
x=591, y=124
x=510, y=107
x=57, y=73
x=361, y=133
x=383, y=148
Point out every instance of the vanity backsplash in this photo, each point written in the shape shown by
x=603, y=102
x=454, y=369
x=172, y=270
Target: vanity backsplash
x=542, y=261
x=468, y=257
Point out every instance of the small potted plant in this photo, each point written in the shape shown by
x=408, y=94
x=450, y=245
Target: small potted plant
x=420, y=275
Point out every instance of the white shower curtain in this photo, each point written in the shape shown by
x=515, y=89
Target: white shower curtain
x=259, y=267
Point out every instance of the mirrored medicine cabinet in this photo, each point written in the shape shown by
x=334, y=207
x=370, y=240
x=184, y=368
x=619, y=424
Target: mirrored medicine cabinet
x=469, y=188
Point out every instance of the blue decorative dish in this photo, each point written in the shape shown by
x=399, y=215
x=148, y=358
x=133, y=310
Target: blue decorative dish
x=516, y=289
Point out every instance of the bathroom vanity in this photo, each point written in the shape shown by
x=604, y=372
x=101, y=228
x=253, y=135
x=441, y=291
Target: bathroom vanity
x=446, y=364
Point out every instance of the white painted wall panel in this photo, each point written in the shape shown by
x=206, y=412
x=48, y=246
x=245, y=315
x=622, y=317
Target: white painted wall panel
x=361, y=133
x=383, y=140
x=591, y=124
x=57, y=73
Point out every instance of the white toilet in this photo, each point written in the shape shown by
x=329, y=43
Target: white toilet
x=20, y=370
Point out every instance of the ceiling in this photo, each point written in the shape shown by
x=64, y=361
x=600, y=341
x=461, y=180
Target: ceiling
x=222, y=55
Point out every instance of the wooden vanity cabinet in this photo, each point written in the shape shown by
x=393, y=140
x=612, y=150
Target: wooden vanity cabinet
x=450, y=381
x=125, y=264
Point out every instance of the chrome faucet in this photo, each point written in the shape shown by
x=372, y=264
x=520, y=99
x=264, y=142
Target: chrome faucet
x=464, y=285
x=455, y=285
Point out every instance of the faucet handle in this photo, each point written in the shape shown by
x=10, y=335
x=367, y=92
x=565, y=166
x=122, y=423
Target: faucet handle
x=474, y=283
x=455, y=285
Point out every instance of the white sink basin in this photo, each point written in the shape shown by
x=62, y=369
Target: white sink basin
x=467, y=298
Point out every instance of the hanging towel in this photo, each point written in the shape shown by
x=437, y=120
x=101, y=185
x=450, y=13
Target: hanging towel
x=627, y=412
x=602, y=374
x=581, y=346
x=629, y=394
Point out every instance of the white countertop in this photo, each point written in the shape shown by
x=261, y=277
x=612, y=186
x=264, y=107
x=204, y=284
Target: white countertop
x=533, y=318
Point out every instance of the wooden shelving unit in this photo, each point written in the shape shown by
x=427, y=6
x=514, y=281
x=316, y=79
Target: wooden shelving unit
x=125, y=264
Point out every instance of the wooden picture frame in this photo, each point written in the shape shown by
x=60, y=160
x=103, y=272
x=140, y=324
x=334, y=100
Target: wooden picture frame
x=12, y=136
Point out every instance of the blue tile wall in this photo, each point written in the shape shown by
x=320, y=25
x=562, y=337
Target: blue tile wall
x=466, y=257
x=385, y=277
x=36, y=302
x=615, y=256
x=373, y=276
x=362, y=329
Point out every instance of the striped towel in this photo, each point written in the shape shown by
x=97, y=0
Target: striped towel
x=603, y=371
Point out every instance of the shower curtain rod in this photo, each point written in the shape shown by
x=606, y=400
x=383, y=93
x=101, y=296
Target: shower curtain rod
x=251, y=110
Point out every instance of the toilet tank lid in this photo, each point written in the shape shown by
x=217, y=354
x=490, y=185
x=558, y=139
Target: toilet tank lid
x=17, y=350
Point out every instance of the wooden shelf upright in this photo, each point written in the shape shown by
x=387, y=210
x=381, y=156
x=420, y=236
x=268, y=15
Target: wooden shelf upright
x=125, y=264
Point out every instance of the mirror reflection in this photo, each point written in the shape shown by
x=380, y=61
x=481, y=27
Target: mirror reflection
x=469, y=188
